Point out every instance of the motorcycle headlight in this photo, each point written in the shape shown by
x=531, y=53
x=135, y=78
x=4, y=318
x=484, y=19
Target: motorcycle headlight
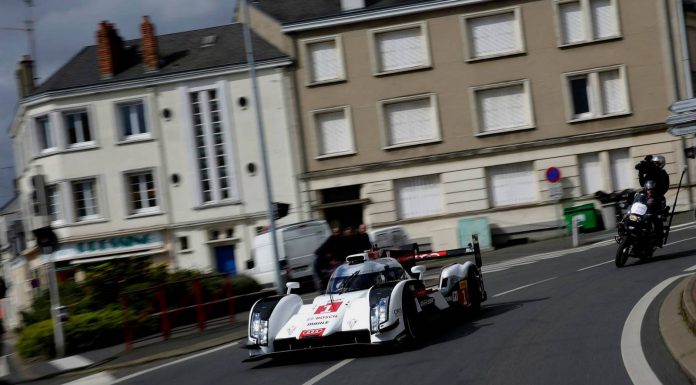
x=259, y=329
x=633, y=218
x=379, y=314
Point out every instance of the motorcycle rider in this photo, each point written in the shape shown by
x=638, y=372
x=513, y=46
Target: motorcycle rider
x=651, y=169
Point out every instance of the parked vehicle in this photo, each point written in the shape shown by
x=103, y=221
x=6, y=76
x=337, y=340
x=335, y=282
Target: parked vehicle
x=394, y=237
x=296, y=245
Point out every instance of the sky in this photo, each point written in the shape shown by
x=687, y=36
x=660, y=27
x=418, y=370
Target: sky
x=63, y=28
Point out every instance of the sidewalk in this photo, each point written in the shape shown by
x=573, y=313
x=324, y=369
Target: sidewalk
x=189, y=340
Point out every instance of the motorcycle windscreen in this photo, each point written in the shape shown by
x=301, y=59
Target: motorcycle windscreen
x=639, y=208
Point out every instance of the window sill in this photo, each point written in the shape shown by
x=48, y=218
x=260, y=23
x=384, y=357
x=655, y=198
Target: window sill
x=588, y=42
x=144, y=214
x=81, y=147
x=217, y=204
x=47, y=153
x=495, y=56
x=187, y=251
x=580, y=120
x=402, y=70
x=86, y=222
x=504, y=131
x=326, y=82
x=411, y=144
x=336, y=155
x=132, y=140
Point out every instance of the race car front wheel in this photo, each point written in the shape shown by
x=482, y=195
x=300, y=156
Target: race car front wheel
x=411, y=319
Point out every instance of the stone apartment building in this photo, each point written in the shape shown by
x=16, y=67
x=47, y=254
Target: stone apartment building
x=443, y=115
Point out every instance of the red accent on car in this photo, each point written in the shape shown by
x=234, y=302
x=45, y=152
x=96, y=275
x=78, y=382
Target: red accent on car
x=328, y=308
x=311, y=333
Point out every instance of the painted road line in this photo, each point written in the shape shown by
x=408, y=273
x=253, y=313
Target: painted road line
x=683, y=240
x=631, y=349
x=692, y=268
x=4, y=368
x=128, y=377
x=71, y=362
x=599, y=264
x=328, y=371
x=102, y=378
x=524, y=287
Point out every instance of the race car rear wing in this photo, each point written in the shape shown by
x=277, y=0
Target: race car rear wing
x=408, y=258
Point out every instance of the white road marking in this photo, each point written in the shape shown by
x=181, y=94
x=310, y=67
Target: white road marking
x=631, y=349
x=524, y=287
x=692, y=268
x=328, y=371
x=71, y=362
x=683, y=240
x=102, y=378
x=128, y=377
x=599, y=264
x=4, y=368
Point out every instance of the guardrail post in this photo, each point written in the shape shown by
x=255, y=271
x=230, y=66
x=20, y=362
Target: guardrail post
x=575, y=225
x=197, y=292
x=126, y=324
x=230, y=299
x=164, y=313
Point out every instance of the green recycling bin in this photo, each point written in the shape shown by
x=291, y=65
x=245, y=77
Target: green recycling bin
x=587, y=214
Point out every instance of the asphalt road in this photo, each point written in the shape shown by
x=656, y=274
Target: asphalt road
x=559, y=318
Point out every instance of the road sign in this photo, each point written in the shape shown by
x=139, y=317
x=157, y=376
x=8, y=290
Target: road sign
x=553, y=174
x=684, y=117
x=683, y=105
x=683, y=129
x=556, y=191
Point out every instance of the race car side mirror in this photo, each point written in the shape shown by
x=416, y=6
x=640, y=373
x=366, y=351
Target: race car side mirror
x=292, y=285
x=419, y=271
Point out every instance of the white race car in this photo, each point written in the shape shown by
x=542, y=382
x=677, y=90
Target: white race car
x=367, y=301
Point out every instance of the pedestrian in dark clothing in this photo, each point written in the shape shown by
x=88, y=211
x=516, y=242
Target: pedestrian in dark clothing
x=362, y=239
x=325, y=258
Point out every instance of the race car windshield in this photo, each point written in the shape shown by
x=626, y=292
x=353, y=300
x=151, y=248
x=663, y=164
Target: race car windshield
x=354, y=282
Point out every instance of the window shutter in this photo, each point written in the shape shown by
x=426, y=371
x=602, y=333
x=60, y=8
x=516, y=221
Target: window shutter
x=621, y=169
x=419, y=196
x=401, y=49
x=503, y=107
x=590, y=173
x=611, y=87
x=409, y=121
x=493, y=34
x=513, y=184
x=604, y=23
x=572, y=24
x=334, y=133
x=325, y=62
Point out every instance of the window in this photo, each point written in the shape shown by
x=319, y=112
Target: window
x=512, y=184
x=597, y=93
x=44, y=134
x=400, y=48
x=216, y=178
x=419, y=196
x=324, y=60
x=85, y=199
x=142, y=192
x=53, y=201
x=622, y=169
x=590, y=173
x=495, y=33
x=132, y=120
x=184, y=243
x=503, y=107
x=410, y=121
x=584, y=21
x=334, y=132
x=77, y=128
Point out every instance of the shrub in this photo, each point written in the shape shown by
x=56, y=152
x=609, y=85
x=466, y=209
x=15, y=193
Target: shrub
x=37, y=340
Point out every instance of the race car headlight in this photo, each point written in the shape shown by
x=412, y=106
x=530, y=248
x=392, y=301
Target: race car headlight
x=633, y=218
x=379, y=313
x=259, y=329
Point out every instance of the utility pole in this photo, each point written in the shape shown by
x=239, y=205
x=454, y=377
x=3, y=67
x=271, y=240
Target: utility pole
x=262, y=145
x=29, y=29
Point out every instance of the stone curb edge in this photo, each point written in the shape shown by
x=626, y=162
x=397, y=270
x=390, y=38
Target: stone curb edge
x=688, y=303
x=674, y=329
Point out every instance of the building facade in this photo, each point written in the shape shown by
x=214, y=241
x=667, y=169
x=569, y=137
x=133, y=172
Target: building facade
x=444, y=116
x=149, y=149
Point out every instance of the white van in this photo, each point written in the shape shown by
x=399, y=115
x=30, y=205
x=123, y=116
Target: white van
x=394, y=237
x=296, y=245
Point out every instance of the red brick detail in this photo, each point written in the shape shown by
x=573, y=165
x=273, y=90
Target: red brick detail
x=109, y=50
x=149, y=42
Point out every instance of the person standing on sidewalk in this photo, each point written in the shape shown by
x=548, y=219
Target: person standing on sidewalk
x=324, y=258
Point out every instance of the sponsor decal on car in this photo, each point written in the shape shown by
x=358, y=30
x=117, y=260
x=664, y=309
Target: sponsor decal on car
x=311, y=333
x=331, y=307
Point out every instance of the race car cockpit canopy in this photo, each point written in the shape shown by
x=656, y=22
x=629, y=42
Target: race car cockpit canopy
x=362, y=276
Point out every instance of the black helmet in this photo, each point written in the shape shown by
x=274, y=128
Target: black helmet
x=658, y=160
x=650, y=185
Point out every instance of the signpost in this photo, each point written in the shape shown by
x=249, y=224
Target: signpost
x=553, y=176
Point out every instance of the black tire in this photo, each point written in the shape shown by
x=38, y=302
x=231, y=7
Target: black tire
x=475, y=296
x=412, y=324
x=622, y=252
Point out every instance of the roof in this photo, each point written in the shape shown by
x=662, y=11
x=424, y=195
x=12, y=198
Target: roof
x=292, y=11
x=179, y=52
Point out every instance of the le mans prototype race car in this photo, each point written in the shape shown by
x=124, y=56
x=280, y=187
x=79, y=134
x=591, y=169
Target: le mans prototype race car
x=367, y=301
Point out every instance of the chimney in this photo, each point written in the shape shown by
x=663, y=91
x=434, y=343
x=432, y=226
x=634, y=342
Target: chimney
x=149, y=44
x=110, y=52
x=25, y=77
x=350, y=5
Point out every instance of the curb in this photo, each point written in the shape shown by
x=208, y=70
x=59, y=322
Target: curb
x=674, y=325
x=688, y=303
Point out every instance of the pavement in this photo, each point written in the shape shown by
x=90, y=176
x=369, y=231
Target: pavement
x=677, y=320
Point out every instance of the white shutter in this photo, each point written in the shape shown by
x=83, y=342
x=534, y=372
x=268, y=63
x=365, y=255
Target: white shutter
x=512, y=184
x=604, y=23
x=590, y=173
x=409, y=121
x=419, y=196
x=621, y=169
x=612, y=89
x=572, y=22
x=324, y=61
x=501, y=108
x=401, y=49
x=334, y=133
x=493, y=34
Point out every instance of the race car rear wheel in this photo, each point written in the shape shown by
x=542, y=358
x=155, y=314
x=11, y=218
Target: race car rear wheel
x=411, y=319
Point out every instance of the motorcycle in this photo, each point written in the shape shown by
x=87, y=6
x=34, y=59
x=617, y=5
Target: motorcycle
x=636, y=231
